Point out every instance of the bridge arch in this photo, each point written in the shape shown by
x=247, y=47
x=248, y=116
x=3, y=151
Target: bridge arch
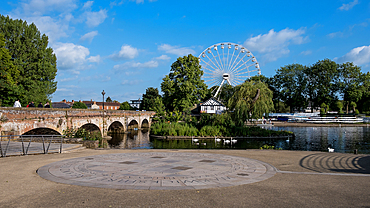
x=92, y=128
x=133, y=124
x=145, y=123
x=42, y=131
x=116, y=126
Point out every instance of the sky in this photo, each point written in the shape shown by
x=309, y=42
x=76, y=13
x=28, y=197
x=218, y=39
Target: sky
x=124, y=47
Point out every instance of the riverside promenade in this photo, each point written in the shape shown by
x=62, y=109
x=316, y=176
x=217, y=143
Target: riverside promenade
x=295, y=179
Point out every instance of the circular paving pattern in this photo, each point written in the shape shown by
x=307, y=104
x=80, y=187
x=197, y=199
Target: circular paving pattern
x=158, y=170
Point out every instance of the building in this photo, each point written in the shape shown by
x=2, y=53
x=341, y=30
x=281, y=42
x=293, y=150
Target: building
x=99, y=105
x=212, y=105
x=135, y=103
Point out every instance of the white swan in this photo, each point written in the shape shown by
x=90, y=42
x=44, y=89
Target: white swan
x=233, y=140
x=330, y=149
x=227, y=141
x=217, y=139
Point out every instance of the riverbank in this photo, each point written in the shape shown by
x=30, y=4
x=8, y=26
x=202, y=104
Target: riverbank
x=295, y=124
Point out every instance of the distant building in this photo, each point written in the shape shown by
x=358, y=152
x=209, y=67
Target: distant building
x=135, y=103
x=99, y=105
x=212, y=105
x=62, y=104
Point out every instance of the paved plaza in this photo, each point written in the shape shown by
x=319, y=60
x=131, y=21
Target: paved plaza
x=158, y=170
x=186, y=178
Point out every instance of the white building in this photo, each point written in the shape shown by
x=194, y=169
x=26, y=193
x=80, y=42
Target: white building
x=212, y=105
x=135, y=103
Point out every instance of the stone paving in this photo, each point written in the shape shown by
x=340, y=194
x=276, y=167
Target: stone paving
x=158, y=170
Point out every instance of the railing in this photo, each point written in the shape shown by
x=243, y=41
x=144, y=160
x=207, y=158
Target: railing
x=25, y=144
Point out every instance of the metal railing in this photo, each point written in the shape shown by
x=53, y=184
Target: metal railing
x=35, y=144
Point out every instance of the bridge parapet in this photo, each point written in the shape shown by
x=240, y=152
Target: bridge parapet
x=22, y=120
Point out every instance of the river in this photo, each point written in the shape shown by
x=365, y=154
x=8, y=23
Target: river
x=341, y=139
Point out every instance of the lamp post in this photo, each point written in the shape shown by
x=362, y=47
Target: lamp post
x=103, y=93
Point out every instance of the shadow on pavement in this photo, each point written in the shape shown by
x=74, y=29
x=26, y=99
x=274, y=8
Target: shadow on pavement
x=339, y=163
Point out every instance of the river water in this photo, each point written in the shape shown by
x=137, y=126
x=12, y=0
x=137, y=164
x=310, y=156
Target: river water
x=341, y=139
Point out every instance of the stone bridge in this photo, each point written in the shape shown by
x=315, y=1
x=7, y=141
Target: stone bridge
x=21, y=121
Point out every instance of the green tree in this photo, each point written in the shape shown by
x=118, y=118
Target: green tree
x=350, y=83
x=322, y=79
x=149, y=98
x=32, y=57
x=8, y=76
x=250, y=100
x=183, y=87
x=108, y=100
x=158, y=107
x=291, y=83
x=125, y=106
x=79, y=105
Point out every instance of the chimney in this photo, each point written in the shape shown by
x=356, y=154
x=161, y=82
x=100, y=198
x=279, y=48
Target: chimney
x=91, y=99
x=73, y=101
x=79, y=101
x=64, y=101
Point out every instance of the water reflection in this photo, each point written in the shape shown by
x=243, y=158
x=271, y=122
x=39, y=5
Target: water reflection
x=342, y=139
x=130, y=140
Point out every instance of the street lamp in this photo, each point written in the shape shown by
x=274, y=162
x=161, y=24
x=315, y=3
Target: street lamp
x=103, y=93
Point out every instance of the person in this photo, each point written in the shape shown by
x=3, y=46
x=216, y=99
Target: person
x=32, y=104
x=17, y=104
x=28, y=105
x=40, y=105
x=47, y=105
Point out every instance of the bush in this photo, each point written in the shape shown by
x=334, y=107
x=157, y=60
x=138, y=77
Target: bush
x=79, y=105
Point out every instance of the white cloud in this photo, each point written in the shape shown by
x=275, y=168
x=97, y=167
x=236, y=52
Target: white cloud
x=131, y=82
x=348, y=6
x=94, y=19
x=308, y=52
x=53, y=28
x=88, y=4
x=275, y=44
x=163, y=57
x=70, y=56
x=39, y=7
x=68, y=79
x=359, y=56
x=95, y=59
x=136, y=65
x=179, y=51
x=335, y=34
x=126, y=52
x=89, y=36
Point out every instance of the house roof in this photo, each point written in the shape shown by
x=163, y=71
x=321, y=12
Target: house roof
x=212, y=102
x=60, y=105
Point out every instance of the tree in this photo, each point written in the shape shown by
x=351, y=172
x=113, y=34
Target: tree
x=250, y=100
x=158, y=107
x=125, y=106
x=149, y=98
x=290, y=82
x=350, y=83
x=183, y=87
x=108, y=100
x=8, y=76
x=322, y=79
x=32, y=57
x=79, y=105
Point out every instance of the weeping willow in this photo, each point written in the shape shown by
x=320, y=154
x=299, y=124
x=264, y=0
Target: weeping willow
x=251, y=100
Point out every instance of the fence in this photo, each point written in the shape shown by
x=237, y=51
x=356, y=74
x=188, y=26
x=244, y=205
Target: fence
x=30, y=144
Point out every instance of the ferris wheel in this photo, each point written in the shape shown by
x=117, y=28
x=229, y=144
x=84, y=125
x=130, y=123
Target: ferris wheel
x=227, y=62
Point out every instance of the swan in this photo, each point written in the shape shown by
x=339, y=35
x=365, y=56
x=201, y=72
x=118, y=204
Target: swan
x=194, y=140
x=227, y=141
x=233, y=140
x=330, y=149
x=217, y=139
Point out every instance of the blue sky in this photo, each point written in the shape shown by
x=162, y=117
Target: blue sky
x=124, y=47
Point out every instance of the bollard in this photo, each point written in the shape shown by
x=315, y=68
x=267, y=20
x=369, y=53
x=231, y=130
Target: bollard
x=355, y=151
